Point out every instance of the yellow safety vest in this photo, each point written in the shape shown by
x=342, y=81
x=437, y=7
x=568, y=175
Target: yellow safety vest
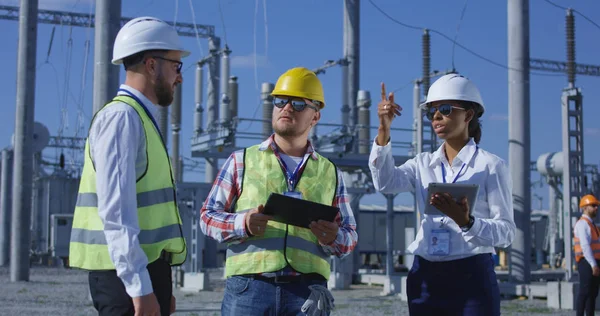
x=158, y=214
x=281, y=244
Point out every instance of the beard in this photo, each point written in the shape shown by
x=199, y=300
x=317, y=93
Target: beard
x=163, y=91
x=288, y=130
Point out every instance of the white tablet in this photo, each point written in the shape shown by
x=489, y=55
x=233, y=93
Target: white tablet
x=456, y=190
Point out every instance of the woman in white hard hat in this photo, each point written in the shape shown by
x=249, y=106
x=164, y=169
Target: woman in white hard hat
x=457, y=278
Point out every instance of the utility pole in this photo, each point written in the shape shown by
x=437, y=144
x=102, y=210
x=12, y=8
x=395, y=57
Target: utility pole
x=352, y=58
x=106, y=75
x=23, y=150
x=519, y=144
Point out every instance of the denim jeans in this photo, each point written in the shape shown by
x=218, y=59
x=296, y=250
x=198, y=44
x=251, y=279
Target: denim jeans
x=247, y=296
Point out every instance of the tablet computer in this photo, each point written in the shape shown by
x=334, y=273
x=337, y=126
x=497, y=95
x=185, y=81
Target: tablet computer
x=289, y=210
x=457, y=190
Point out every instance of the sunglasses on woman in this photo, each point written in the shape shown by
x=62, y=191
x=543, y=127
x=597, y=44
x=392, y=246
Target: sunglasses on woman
x=445, y=109
x=297, y=105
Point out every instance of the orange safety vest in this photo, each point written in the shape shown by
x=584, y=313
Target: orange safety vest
x=594, y=243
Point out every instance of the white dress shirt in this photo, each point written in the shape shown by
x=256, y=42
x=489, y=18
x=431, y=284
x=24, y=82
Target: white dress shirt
x=118, y=149
x=493, y=211
x=584, y=233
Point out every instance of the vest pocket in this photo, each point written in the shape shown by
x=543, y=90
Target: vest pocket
x=237, y=284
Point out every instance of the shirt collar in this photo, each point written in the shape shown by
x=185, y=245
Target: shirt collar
x=464, y=155
x=269, y=143
x=151, y=107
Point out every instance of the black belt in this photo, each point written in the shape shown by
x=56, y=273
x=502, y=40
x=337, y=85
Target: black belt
x=289, y=278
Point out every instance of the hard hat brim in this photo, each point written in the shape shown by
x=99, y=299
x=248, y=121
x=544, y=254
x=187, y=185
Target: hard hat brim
x=119, y=61
x=423, y=106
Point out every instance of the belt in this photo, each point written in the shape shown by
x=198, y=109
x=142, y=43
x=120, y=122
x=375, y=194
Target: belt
x=289, y=278
x=166, y=256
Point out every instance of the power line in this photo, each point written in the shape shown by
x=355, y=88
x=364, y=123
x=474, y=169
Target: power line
x=462, y=15
x=222, y=22
x=176, y=12
x=254, y=42
x=196, y=28
x=266, y=30
x=456, y=43
x=403, y=86
x=582, y=15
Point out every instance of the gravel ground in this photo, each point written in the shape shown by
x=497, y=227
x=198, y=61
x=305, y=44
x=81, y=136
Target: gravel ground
x=58, y=291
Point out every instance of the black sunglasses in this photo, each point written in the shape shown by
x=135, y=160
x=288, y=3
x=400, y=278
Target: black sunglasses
x=179, y=64
x=297, y=105
x=445, y=109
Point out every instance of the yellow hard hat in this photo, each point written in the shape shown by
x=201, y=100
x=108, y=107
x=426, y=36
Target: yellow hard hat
x=301, y=83
x=588, y=200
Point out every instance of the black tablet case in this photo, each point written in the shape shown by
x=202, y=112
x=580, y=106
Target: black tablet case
x=297, y=212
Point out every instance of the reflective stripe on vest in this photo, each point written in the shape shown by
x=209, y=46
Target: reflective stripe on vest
x=157, y=212
x=594, y=242
x=281, y=244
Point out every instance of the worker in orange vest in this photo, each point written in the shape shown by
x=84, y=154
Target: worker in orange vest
x=586, y=244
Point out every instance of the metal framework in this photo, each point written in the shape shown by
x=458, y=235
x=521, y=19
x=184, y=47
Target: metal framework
x=67, y=142
x=88, y=20
x=561, y=67
x=573, y=169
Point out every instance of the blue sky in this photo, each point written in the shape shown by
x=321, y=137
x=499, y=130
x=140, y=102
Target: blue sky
x=306, y=33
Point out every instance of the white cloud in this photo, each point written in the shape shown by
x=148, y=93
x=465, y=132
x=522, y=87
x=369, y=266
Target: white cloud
x=60, y=5
x=594, y=131
x=498, y=117
x=247, y=61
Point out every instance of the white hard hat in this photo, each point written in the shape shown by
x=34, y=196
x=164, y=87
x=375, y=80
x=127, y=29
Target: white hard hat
x=453, y=87
x=145, y=33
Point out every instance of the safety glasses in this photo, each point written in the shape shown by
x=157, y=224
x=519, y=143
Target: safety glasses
x=179, y=64
x=297, y=105
x=445, y=109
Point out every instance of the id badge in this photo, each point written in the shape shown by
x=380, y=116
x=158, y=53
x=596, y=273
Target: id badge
x=294, y=194
x=439, y=242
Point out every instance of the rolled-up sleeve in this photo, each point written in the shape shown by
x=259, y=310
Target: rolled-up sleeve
x=218, y=221
x=499, y=229
x=347, y=237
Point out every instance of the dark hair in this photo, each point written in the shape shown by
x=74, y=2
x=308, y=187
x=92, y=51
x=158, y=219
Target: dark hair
x=137, y=58
x=474, y=124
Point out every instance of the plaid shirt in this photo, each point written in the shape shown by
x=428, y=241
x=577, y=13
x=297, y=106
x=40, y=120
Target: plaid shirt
x=220, y=222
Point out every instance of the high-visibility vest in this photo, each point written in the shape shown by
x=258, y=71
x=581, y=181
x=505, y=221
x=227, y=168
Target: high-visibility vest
x=281, y=244
x=594, y=242
x=157, y=212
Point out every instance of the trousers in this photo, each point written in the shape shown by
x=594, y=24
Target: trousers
x=588, y=289
x=110, y=298
x=458, y=287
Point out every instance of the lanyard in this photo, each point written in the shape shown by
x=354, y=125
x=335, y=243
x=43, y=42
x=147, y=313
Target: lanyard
x=131, y=95
x=453, y=181
x=459, y=171
x=455, y=178
x=292, y=177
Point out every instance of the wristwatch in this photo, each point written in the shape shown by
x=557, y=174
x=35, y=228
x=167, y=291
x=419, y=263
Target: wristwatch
x=469, y=224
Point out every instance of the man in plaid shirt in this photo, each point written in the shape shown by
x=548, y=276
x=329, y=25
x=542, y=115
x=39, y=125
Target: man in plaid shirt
x=271, y=267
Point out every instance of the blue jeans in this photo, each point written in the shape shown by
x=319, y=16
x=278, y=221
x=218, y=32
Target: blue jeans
x=459, y=287
x=249, y=297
